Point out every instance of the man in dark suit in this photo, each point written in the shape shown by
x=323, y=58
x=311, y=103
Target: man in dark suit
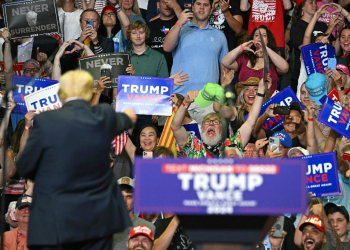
x=89, y=22
x=77, y=203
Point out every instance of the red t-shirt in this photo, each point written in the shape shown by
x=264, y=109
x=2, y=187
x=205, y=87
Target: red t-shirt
x=269, y=13
x=245, y=72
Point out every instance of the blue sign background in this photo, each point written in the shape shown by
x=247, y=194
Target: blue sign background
x=193, y=128
x=316, y=57
x=283, y=98
x=331, y=186
x=340, y=123
x=142, y=106
x=283, y=192
x=24, y=86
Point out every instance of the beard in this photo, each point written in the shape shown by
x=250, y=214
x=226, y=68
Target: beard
x=210, y=141
x=318, y=246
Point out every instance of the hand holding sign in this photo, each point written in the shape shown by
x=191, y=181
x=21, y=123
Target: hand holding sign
x=131, y=114
x=130, y=70
x=29, y=117
x=6, y=35
x=178, y=78
x=190, y=96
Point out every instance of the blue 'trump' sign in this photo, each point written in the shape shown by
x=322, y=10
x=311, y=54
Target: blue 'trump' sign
x=220, y=186
x=146, y=95
x=336, y=117
x=283, y=98
x=316, y=57
x=322, y=174
x=24, y=86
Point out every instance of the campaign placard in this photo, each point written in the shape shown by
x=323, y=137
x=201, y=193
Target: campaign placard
x=283, y=98
x=316, y=57
x=335, y=117
x=44, y=99
x=18, y=68
x=118, y=61
x=220, y=186
x=31, y=18
x=146, y=95
x=25, y=86
x=193, y=129
x=333, y=94
x=322, y=174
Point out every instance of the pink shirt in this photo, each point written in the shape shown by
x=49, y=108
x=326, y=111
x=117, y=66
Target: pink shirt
x=326, y=17
x=245, y=72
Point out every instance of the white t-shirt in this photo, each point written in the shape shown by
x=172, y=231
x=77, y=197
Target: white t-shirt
x=70, y=24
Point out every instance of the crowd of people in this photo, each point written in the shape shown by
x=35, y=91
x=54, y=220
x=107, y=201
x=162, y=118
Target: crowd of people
x=212, y=48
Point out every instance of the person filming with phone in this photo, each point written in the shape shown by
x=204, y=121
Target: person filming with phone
x=89, y=22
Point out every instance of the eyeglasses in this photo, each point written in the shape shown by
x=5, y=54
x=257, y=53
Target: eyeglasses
x=35, y=70
x=215, y=122
x=109, y=14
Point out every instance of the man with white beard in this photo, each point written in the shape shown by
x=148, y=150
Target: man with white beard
x=211, y=143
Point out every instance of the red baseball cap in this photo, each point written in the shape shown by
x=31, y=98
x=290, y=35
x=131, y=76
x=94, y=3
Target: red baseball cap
x=108, y=7
x=315, y=221
x=299, y=2
x=347, y=91
x=343, y=68
x=141, y=230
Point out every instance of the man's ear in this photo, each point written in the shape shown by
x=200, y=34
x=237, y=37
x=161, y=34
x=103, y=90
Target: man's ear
x=157, y=5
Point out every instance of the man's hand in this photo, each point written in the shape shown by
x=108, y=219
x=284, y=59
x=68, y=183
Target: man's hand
x=318, y=210
x=271, y=154
x=178, y=78
x=131, y=114
x=224, y=5
x=171, y=3
x=101, y=83
x=269, y=110
x=29, y=117
x=260, y=144
x=40, y=56
x=94, y=36
x=86, y=33
x=130, y=69
x=185, y=16
x=276, y=243
x=190, y=96
x=6, y=35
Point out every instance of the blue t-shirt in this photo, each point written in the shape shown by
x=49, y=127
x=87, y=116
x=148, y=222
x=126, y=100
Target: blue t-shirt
x=198, y=53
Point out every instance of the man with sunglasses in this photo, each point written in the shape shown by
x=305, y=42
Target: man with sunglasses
x=212, y=142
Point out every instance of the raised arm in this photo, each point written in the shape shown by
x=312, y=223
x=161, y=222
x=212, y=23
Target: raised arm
x=163, y=242
x=247, y=127
x=28, y=125
x=310, y=131
x=258, y=132
x=179, y=131
x=287, y=4
x=8, y=63
x=171, y=38
x=245, y=5
x=229, y=60
x=101, y=86
x=235, y=22
x=281, y=64
x=123, y=18
x=333, y=240
x=90, y=5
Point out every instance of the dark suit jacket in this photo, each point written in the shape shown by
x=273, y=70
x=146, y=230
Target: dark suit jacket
x=70, y=61
x=46, y=44
x=76, y=196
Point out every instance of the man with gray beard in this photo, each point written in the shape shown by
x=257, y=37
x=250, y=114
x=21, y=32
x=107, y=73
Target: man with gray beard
x=211, y=143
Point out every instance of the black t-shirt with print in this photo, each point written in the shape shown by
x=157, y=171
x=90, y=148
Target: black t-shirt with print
x=218, y=21
x=159, y=28
x=179, y=241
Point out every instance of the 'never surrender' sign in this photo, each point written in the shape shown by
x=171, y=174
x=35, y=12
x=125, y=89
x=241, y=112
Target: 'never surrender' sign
x=316, y=57
x=322, y=174
x=220, y=186
x=24, y=86
x=336, y=117
x=31, y=18
x=118, y=61
x=146, y=95
x=283, y=98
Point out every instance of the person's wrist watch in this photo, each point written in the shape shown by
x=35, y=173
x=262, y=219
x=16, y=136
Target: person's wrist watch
x=341, y=88
x=259, y=94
